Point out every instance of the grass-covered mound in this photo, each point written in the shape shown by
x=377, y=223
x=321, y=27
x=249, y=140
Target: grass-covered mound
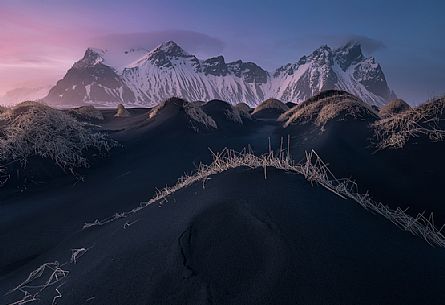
x=121, y=112
x=222, y=112
x=194, y=114
x=31, y=130
x=269, y=108
x=244, y=110
x=87, y=113
x=394, y=107
x=425, y=121
x=328, y=106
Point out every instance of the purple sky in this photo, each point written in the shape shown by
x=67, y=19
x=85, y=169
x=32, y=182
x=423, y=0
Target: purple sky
x=40, y=40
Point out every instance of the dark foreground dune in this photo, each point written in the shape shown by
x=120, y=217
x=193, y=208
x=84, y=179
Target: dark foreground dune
x=246, y=240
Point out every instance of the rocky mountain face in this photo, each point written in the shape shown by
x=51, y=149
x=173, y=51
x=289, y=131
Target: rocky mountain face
x=149, y=77
x=345, y=68
x=90, y=80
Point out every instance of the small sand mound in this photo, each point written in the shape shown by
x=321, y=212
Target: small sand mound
x=327, y=106
x=173, y=102
x=121, y=112
x=244, y=110
x=271, y=103
x=394, y=107
x=195, y=113
x=87, y=113
x=425, y=121
x=222, y=111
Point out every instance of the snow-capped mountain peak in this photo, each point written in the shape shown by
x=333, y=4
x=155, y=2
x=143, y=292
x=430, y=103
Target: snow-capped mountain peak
x=344, y=68
x=145, y=78
x=349, y=54
x=170, y=48
x=92, y=57
x=164, y=55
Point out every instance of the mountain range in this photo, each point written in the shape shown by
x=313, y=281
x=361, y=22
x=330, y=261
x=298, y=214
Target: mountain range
x=138, y=77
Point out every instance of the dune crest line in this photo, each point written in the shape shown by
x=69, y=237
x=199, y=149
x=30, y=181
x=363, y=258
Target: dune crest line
x=313, y=169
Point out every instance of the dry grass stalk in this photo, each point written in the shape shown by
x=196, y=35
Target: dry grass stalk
x=395, y=131
x=32, y=129
x=44, y=277
x=271, y=103
x=38, y=280
x=313, y=169
x=193, y=110
x=87, y=112
x=121, y=112
x=320, y=111
x=394, y=107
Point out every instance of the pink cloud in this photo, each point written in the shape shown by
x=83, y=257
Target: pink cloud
x=35, y=50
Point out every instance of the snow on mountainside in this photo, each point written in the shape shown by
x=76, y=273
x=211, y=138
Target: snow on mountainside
x=344, y=69
x=145, y=78
x=169, y=71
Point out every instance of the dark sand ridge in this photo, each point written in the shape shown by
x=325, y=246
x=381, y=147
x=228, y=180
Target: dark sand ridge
x=284, y=242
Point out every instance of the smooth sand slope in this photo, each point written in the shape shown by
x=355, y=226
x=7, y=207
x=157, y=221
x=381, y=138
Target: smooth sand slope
x=246, y=240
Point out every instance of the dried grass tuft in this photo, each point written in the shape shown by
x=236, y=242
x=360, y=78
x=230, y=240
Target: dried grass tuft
x=313, y=169
x=194, y=112
x=33, y=129
x=424, y=121
x=87, y=113
x=325, y=109
x=271, y=104
x=121, y=112
x=394, y=107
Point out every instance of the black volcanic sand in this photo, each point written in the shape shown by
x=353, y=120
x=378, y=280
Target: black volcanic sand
x=242, y=240
x=408, y=177
x=247, y=240
x=154, y=153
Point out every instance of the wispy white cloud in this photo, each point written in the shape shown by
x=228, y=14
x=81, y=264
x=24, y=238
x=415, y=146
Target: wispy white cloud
x=191, y=41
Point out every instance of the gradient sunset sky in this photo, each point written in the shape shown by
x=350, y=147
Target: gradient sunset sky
x=40, y=40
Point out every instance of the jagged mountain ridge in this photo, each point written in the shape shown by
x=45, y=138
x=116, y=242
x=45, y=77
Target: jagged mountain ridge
x=145, y=78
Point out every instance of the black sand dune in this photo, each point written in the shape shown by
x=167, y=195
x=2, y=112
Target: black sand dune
x=153, y=153
x=226, y=116
x=407, y=177
x=241, y=239
x=269, y=109
x=283, y=242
